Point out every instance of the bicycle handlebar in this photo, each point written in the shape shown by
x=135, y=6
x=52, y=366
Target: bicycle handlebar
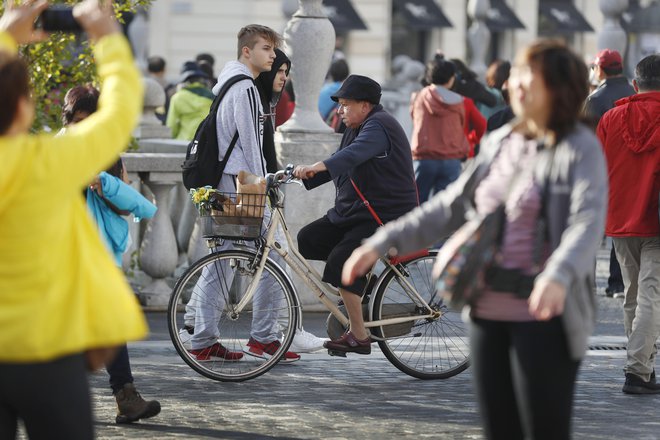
x=281, y=177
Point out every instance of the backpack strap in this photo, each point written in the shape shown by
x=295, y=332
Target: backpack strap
x=216, y=105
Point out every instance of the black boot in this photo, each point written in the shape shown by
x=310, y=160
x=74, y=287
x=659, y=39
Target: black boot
x=131, y=406
x=635, y=385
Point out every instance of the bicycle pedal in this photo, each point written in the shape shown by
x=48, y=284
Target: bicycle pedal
x=337, y=353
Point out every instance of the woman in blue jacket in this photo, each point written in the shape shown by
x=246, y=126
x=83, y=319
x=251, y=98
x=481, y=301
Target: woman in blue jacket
x=109, y=198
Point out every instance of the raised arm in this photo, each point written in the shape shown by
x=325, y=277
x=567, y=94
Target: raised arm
x=90, y=146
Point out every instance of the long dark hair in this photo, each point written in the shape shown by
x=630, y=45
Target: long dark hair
x=567, y=78
x=14, y=85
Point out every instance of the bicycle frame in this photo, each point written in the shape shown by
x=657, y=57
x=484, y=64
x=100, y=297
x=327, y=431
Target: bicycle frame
x=313, y=279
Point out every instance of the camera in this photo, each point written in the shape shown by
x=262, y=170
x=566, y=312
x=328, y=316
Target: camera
x=58, y=18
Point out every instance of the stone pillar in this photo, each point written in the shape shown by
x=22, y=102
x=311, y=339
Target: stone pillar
x=150, y=126
x=158, y=251
x=159, y=172
x=305, y=138
x=187, y=216
x=612, y=36
x=133, y=229
x=310, y=42
x=197, y=247
x=478, y=35
x=138, y=34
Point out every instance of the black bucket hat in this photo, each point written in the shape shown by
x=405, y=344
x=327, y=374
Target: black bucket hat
x=360, y=88
x=190, y=69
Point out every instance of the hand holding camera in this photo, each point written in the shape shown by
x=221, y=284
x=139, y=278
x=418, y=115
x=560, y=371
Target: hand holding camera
x=18, y=21
x=97, y=20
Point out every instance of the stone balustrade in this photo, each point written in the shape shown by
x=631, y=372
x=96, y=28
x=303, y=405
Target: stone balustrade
x=160, y=172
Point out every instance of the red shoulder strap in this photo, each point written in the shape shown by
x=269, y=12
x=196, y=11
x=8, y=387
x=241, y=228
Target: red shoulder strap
x=366, y=203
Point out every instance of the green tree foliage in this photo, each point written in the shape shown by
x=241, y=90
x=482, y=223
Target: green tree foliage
x=61, y=62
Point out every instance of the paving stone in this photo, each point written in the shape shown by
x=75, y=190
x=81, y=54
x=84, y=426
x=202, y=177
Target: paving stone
x=361, y=397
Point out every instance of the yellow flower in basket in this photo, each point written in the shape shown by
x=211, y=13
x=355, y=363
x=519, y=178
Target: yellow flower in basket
x=201, y=198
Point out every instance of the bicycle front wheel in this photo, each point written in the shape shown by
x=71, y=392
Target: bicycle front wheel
x=205, y=303
x=429, y=347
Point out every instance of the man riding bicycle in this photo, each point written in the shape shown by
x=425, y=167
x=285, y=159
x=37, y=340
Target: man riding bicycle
x=373, y=166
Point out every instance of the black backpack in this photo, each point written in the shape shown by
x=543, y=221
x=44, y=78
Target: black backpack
x=201, y=166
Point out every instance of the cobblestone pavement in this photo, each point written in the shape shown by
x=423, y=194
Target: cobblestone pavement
x=363, y=397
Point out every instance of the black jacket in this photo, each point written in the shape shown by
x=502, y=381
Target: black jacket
x=603, y=98
x=377, y=156
x=473, y=89
x=269, y=100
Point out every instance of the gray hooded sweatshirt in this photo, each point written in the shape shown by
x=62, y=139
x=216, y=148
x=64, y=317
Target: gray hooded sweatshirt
x=241, y=110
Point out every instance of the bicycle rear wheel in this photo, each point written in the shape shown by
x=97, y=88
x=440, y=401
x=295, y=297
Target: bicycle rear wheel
x=427, y=348
x=217, y=283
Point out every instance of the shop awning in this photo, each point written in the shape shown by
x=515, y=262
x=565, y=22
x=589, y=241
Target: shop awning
x=343, y=15
x=501, y=17
x=423, y=14
x=561, y=17
x=640, y=20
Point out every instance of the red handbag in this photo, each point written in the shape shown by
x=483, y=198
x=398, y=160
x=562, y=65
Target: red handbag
x=398, y=259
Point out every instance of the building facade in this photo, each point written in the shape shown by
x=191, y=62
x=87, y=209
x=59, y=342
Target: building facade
x=383, y=29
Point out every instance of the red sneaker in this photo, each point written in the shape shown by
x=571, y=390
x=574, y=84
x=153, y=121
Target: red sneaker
x=266, y=351
x=216, y=351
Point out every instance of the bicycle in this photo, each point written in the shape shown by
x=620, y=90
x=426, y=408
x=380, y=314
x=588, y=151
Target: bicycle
x=405, y=315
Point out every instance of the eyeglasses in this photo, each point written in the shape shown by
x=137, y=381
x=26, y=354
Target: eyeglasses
x=343, y=106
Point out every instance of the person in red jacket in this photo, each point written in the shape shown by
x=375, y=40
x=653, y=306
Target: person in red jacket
x=475, y=125
x=438, y=139
x=630, y=134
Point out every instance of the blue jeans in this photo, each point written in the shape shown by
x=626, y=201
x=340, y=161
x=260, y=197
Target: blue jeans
x=120, y=370
x=434, y=175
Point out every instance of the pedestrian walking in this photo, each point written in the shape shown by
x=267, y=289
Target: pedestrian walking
x=531, y=322
x=630, y=135
x=64, y=304
x=190, y=104
x=109, y=198
x=271, y=88
x=438, y=138
x=607, y=69
x=496, y=76
x=240, y=112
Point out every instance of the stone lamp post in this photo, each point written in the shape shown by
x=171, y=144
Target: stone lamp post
x=478, y=35
x=310, y=42
x=613, y=36
x=305, y=138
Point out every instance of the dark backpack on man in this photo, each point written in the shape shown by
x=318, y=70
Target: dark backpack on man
x=201, y=166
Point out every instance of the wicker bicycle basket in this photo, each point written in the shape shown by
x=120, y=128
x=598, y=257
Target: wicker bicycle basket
x=234, y=216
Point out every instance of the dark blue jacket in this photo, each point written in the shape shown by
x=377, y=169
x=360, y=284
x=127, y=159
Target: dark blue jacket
x=603, y=98
x=377, y=156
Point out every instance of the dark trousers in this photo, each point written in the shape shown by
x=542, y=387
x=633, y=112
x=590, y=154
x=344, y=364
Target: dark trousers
x=524, y=379
x=120, y=370
x=615, y=280
x=52, y=399
x=322, y=240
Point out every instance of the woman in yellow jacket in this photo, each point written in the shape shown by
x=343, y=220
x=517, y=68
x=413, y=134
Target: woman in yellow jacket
x=62, y=299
